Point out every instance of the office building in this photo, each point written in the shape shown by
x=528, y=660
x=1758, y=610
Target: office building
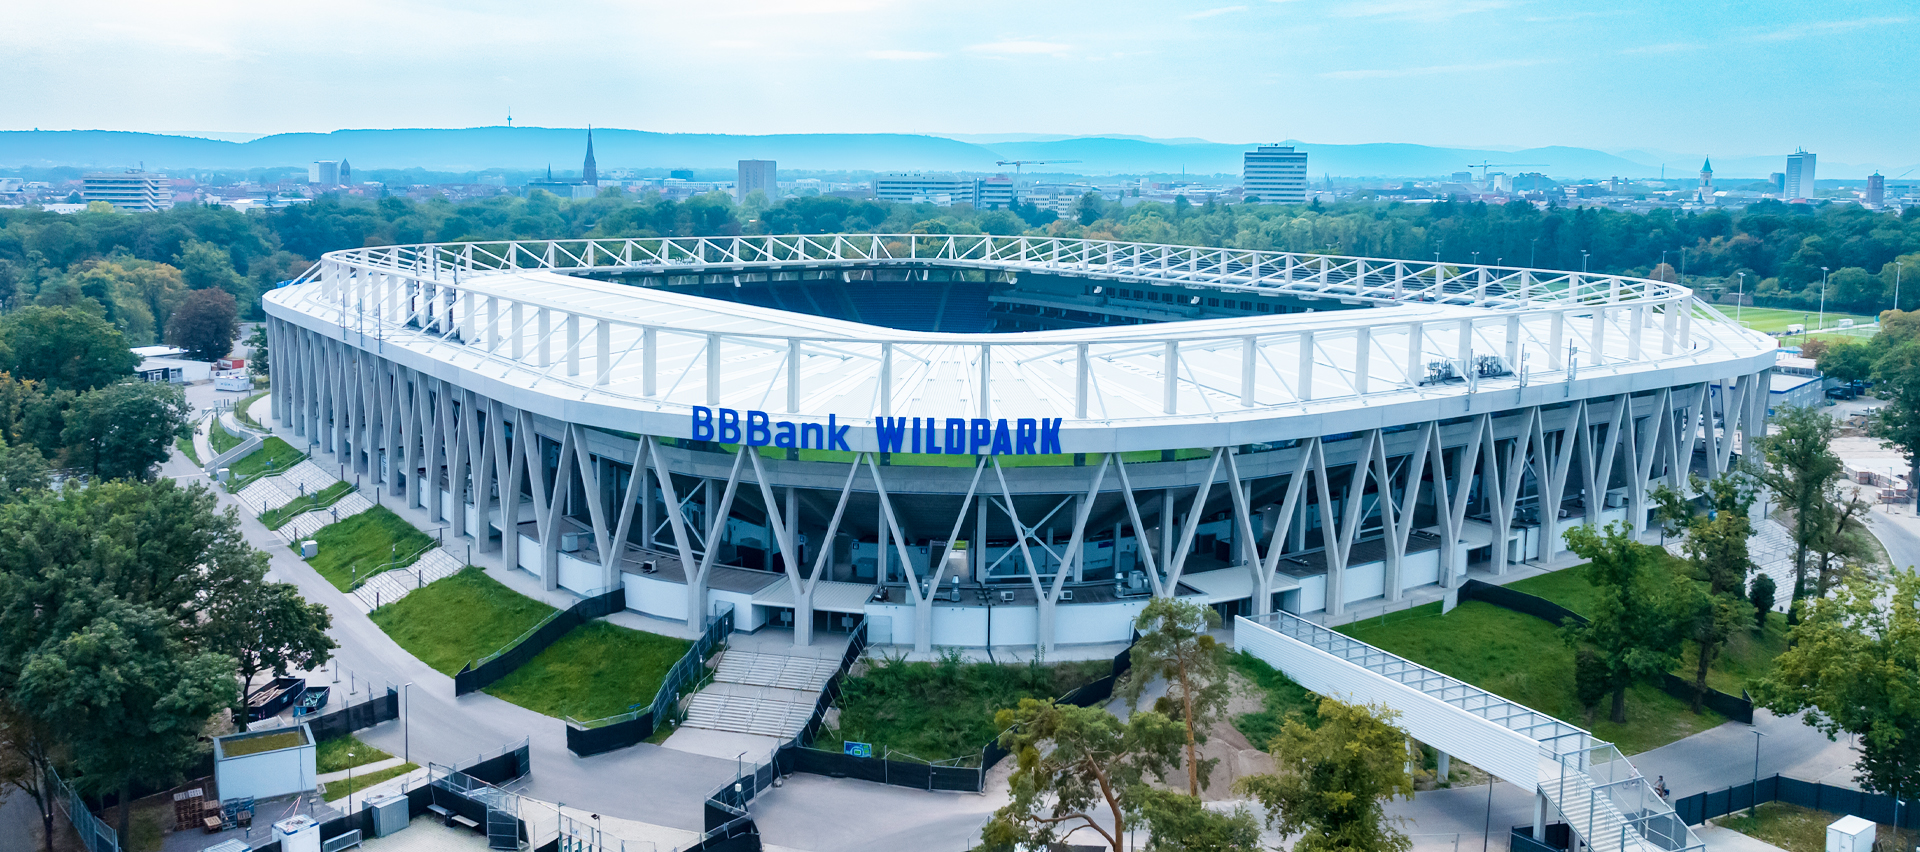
x=324, y=172
x=1778, y=180
x=1799, y=176
x=1276, y=174
x=994, y=193
x=762, y=175
x=1876, y=190
x=915, y=188
x=131, y=190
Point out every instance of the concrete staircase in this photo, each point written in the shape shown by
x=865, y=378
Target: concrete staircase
x=804, y=674
x=1592, y=814
x=763, y=715
x=305, y=524
x=389, y=586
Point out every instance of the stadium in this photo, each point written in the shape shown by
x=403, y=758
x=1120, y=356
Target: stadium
x=979, y=441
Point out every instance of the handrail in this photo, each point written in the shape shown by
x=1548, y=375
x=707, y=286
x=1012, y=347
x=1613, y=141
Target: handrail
x=315, y=507
x=399, y=562
x=717, y=627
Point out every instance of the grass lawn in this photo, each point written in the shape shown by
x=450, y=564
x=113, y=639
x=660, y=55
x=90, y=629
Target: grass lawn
x=279, y=453
x=1790, y=827
x=1567, y=587
x=462, y=618
x=363, y=545
x=331, y=755
x=1281, y=696
x=345, y=787
x=185, y=446
x=1777, y=319
x=942, y=710
x=273, y=518
x=221, y=439
x=1524, y=659
x=244, y=408
x=152, y=818
x=596, y=671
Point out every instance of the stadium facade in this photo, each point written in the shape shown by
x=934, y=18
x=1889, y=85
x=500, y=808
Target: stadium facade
x=1001, y=440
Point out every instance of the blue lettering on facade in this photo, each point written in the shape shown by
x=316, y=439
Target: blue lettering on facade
x=1024, y=436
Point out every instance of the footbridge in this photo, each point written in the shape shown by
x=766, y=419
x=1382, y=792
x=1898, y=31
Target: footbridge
x=1587, y=783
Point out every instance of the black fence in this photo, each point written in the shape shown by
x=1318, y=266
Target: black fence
x=353, y=717
x=1736, y=707
x=495, y=770
x=604, y=735
x=473, y=678
x=1879, y=807
x=1559, y=838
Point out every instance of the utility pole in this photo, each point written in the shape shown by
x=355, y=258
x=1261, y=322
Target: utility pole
x=1740, y=299
x=1823, y=301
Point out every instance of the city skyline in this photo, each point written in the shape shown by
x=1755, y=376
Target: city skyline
x=1481, y=73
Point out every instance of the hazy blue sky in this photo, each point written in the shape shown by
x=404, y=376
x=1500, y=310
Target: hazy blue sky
x=1737, y=78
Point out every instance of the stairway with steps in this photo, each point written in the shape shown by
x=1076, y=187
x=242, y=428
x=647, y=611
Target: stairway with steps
x=806, y=674
x=762, y=715
x=304, y=525
x=1592, y=814
x=389, y=586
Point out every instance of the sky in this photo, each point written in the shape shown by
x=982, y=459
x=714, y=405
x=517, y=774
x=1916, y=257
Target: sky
x=1733, y=78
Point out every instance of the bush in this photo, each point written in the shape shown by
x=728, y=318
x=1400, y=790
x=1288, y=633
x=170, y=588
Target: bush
x=943, y=710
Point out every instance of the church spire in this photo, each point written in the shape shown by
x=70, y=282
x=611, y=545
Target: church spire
x=589, y=174
x=1707, y=166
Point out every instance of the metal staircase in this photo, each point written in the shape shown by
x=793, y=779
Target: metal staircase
x=1604, y=800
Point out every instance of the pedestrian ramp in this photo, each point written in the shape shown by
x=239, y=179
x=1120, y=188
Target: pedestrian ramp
x=389, y=586
x=1588, y=783
x=806, y=674
x=766, y=714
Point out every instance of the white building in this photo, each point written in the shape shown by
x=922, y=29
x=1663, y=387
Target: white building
x=324, y=172
x=1276, y=174
x=763, y=175
x=1800, y=169
x=130, y=190
x=943, y=190
x=974, y=440
x=995, y=193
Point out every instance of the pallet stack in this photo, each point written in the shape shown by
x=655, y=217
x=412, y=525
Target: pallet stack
x=189, y=809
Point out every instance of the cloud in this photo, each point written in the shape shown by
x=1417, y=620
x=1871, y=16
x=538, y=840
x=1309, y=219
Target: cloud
x=1669, y=47
x=1419, y=10
x=1428, y=70
x=1815, y=28
x=1214, y=13
x=902, y=55
x=1021, y=47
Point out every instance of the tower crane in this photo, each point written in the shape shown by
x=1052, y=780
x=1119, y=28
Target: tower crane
x=1483, y=166
x=1016, y=164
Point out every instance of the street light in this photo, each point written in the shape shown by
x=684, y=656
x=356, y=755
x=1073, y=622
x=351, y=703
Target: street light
x=1823, y=300
x=349, y=780
x=1583, y=261
x=1533, y=251
x=1754, y=803
x=1740, y=299
x=1897, y=267
x=406, y=722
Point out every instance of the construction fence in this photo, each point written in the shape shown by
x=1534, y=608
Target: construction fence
x=617, y=732
x=477, y=676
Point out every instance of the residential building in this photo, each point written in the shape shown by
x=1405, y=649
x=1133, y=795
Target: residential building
x=1799, y=175
x=132, y=190
x=762, y=175
x=1276, y=174
x=1876, y=190
x=324, y=172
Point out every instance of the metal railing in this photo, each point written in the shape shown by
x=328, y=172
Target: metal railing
x=95, y=834
x=690, y=669
x=316, y=506
x=1595, y=785
x=398, y=562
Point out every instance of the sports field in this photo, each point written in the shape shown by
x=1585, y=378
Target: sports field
x=1776, y=320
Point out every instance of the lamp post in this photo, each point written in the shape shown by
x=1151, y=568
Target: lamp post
x=1583, y=261
x=1533, y=252
x=406, y=722
x=1897, y=268
x=349, y=780
x=1476, y=258
x=1823, y=301
x=1754, y=802
x=1740, y=299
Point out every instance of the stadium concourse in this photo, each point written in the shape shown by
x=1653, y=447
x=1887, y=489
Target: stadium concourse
x=975, y=441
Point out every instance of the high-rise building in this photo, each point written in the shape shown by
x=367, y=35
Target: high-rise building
x=1276, y=174
x=763, y=175
x=129, y=190
x=589, y=173
x=324, y=172
x=1779, y=182
x=1705, y=195
x=1799, y=182
x=1876, y=189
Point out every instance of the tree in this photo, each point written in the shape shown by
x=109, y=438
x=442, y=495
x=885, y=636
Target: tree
x=1716, y=549
x=1848, y=362
x=66, y=348
x=1183, y=824
x=1633, y=627
x=1799, y=466
x=1840, y=537
x=1070, y=761
x=204, y=325
x=124, y=431
x=1761, y=596
x=257, y=353
x=28, y=750
x=268, y=627
x=1331, y=783
x=1897, y=371
x=1174, y=646
x=1853, y=666
x=204, y=265
x=127, y=697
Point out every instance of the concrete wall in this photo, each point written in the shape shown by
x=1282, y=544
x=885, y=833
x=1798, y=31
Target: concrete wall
x=268, y=773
